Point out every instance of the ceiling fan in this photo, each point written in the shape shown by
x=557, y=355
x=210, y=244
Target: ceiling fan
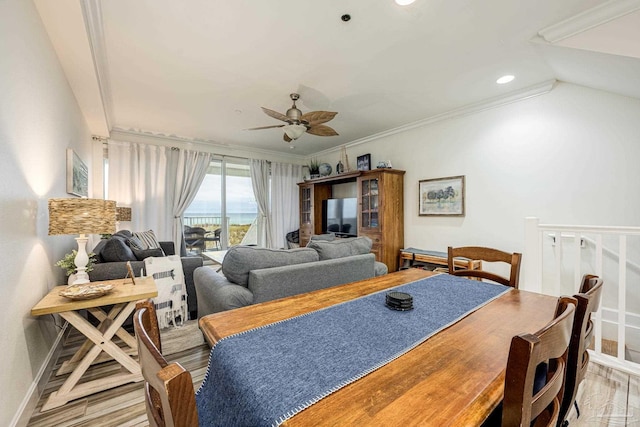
x=298, y=123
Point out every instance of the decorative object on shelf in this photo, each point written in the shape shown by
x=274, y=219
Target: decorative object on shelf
x=344, y=158
x=77, y=175
x=339, y=167
x=441, y=196
x=86, y=291
x=81, y=216
x=324, y=169
x=384, y=164
x=364, y=162
x=314, y=168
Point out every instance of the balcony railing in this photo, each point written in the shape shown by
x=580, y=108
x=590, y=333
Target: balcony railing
x=207, y=222
x=243, y=234
x=555, y=258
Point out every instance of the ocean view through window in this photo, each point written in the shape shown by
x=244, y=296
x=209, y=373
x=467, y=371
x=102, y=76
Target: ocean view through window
x=233, y=211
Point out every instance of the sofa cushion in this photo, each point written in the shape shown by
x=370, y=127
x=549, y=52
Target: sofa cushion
x=341, y=247
x=240, y=260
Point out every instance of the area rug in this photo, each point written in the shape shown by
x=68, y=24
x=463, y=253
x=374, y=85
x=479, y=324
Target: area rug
x=179, y=338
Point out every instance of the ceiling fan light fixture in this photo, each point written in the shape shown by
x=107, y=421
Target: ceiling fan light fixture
x=294, y=131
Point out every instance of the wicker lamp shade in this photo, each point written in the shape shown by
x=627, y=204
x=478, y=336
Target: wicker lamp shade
x=123, y=214
x=82, y=216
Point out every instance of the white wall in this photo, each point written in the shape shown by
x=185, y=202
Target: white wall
x=569, y=156
x=39, y=120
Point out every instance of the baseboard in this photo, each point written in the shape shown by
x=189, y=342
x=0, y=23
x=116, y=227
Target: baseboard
x=30, y=401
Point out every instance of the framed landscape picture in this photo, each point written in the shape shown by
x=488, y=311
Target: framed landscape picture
x=441, y=196
x=77, y=175
x=364, y=162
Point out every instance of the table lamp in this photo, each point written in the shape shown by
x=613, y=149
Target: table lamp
x=123, y=214
x=82, y=216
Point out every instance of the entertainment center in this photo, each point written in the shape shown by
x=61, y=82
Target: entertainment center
x=379, y=204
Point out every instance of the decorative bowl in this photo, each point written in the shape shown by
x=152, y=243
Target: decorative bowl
x=86, y=291
x=325, y=169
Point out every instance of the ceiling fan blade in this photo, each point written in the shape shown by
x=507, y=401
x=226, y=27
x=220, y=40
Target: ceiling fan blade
x=318, y=117
x=276, y=115
x=321, y=130
x=286, y=138
x=266, y=127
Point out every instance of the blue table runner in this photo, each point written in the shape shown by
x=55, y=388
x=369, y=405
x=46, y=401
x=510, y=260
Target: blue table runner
x=266, y=375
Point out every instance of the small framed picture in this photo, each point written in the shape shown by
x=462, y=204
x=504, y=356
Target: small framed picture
x=441, y=196
x=364, y=162
x=77, y=175
x=130, y=274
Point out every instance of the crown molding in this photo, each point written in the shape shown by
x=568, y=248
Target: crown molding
x=92, y=14
x=516, y=96
x=589, y=19
x=207, y=145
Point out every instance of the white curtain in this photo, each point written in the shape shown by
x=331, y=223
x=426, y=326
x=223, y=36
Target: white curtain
x=260, y=182
x=137, y=178
x=284, y=201
x=186, y=172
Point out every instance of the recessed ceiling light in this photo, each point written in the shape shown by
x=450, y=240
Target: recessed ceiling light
x=505, y=79
x=404, y=2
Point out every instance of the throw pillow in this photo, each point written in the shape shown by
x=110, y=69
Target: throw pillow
x=146, y=253
x=137, y=244
x=148, y=238
x=240, y=260
x=340, y=248
x=330, y=237
x=116, y=249
x=171, y=302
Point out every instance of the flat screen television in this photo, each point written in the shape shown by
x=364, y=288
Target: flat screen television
x=340, y=217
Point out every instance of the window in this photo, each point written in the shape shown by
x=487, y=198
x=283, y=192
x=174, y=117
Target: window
x=225, y=202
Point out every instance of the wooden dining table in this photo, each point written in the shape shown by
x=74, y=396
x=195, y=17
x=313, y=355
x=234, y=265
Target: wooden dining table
x=455, y=378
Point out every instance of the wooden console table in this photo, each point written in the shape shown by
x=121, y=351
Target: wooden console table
x=409, y=256
x=123, y=298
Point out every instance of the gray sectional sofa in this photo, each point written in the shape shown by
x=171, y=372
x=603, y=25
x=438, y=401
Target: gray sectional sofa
x=252, y=275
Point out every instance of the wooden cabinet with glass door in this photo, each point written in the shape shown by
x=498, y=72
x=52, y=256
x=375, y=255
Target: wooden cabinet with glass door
x=311, y=197
x=381, y=213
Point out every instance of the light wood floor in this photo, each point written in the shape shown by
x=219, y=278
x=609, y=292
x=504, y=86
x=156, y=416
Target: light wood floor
x=607, y=398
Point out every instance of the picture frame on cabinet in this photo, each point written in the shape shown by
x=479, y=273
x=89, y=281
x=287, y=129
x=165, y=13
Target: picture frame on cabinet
x=441, y=196
x=364, y=162
x=77, y=175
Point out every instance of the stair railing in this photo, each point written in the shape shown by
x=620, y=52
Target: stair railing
x=556, y=256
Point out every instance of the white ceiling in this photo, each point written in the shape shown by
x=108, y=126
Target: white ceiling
x=201, y=69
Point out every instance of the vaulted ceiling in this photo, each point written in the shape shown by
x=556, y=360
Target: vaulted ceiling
x=201, y=69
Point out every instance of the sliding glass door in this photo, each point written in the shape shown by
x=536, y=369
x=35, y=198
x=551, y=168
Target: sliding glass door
x=225, y=205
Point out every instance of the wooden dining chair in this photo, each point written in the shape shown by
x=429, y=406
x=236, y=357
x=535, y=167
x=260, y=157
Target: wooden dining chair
x=581, y=337
x=489, y=255
x=535, y=374
x=169, y=394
